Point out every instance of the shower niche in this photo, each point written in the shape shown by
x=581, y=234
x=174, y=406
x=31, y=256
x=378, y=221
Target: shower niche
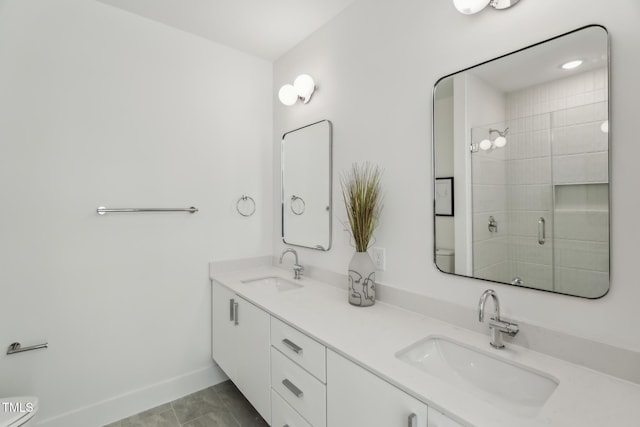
x=527, y=142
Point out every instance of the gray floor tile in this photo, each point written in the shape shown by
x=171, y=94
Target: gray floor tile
x=239, y=406
x=214, y=419
x=198, y=404
x=152, y=419
x=220, y=406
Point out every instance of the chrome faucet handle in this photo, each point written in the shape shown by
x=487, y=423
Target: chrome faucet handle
x=505, y=327
x=497, y=326
x=297, y=267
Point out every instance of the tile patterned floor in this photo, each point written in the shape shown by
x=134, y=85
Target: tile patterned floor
x=219, y=406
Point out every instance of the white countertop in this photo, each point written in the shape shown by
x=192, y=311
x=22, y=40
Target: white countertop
x=372, y=336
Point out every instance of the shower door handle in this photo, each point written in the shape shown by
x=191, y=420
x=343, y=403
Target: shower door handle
x=542, y=232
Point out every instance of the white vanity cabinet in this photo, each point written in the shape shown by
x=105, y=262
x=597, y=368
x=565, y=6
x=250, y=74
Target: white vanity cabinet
x=298, y=378
x=241, y=346
x=356, y=397
x=438, y=419
x=295, y=381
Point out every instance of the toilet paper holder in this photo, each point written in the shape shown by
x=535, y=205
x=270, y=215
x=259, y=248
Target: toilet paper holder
x=17, y=348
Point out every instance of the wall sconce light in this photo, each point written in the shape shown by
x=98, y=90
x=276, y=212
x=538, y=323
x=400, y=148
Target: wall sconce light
x=469, y=7
x=302, y=89
x=488, y=144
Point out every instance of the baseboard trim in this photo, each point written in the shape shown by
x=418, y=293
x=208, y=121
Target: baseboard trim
x=136, y=401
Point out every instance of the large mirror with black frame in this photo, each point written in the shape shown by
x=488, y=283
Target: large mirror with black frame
x=521, y=167
x=306, y=186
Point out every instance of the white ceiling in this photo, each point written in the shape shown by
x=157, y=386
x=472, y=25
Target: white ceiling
x=264, y=28
x=541, y=63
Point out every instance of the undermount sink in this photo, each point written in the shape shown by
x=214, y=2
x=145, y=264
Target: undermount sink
x=508, y=385
x=272, y=283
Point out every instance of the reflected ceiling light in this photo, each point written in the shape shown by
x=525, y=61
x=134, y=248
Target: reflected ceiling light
x=485, y=144
x=302, y=89
x=489, y=145
x=469, y=7
x=501, y=140
x=604, y=127
x=570, y=65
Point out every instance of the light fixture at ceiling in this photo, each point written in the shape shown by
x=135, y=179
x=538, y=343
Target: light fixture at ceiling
x=469, y=7
x=570, y=65
x=302, y=89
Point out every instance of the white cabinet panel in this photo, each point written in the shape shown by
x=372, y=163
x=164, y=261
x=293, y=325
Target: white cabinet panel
x=299, y=388
x=300, y=348
x=241, y=343
x=223, y=342
x=252, y=356
x=438, y=419
x=356, y=397
x=283, y=415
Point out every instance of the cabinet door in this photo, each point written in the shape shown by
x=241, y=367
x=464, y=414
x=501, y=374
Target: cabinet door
x=252, y=356
x=438, y=419
x=356, y=397
x=223, y=340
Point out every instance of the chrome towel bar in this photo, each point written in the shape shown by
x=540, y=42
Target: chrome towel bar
x=102, y=210
x=16, y=348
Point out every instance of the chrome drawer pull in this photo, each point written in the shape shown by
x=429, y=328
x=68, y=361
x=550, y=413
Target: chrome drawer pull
x=292, y=346
x=413, y=420
x=292, y=388
x=235, y=313
x=231, y=315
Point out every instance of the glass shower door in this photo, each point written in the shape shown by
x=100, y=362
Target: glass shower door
x=512, y=200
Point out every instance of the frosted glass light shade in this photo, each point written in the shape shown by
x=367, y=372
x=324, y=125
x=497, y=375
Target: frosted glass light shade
x=304, y=86
x=500, y=141
x=288, y=95
x=485, y=144
x=469, y=7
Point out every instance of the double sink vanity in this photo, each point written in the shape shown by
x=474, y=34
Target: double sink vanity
x=521, y=198
x=304, y=357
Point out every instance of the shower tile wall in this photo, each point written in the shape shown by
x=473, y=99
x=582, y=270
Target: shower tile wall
x=489, y=175
x=556, y=150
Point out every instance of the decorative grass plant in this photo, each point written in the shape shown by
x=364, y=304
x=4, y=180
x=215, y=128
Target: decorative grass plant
x=361, y=191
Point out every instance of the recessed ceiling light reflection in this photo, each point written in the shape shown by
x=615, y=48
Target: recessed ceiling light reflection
x=572, y=64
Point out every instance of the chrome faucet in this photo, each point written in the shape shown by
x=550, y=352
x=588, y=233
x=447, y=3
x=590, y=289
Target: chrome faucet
x=497, y=326
x=297, y=268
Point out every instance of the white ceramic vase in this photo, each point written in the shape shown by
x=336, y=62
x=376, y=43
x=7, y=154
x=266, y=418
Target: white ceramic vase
x=362, y=280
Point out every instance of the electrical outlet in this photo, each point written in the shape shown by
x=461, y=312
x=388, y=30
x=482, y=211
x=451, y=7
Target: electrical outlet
x=377, y=254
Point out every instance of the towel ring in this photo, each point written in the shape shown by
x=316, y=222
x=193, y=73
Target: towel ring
x=298, y=205
x=245, y=199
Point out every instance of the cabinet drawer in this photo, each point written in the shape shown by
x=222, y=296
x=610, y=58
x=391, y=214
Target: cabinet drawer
x=283, y=415
x=305, y=351
x=438, y=419
x=299, y=389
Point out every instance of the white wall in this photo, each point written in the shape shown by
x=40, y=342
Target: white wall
x=486, y=109
x=376, y=64
x=443, y=116
x=102, y=107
